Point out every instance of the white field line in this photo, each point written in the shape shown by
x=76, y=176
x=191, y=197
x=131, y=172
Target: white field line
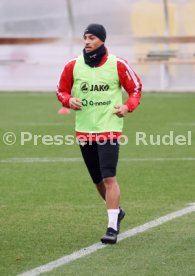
x=40, y=159
x=183, y=124
x=69, y=124
x=94, y=247
x=37, y=124
x=78, y=159
x=41, y=124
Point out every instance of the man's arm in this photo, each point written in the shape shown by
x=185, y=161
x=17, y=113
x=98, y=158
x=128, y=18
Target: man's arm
x=131, y=83
x=65, y=84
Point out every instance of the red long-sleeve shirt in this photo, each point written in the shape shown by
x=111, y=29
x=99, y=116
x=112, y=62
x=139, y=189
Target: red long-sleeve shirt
x=127, y=78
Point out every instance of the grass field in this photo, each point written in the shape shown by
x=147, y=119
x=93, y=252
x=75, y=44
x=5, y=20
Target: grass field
x=49, y=208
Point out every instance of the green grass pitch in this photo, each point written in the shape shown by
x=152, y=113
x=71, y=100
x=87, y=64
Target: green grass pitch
x=51, y=209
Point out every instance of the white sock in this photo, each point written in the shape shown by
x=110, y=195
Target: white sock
x=112, y=218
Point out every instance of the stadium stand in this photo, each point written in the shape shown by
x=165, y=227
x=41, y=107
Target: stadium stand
x=36, y=42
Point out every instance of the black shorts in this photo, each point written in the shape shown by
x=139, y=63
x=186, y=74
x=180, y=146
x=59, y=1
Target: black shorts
x=100, y=159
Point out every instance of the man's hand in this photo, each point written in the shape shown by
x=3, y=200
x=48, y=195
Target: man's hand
x=75, y=103
x=121, y=110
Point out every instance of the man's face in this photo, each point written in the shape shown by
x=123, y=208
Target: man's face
x=91, y=42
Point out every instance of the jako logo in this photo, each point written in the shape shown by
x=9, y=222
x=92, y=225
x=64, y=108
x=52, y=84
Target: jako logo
x=85, y=87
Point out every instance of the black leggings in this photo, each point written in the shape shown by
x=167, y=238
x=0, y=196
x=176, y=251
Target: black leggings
x=100, y=159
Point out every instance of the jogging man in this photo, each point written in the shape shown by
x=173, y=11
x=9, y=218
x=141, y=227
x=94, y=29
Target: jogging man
x=91, y=85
